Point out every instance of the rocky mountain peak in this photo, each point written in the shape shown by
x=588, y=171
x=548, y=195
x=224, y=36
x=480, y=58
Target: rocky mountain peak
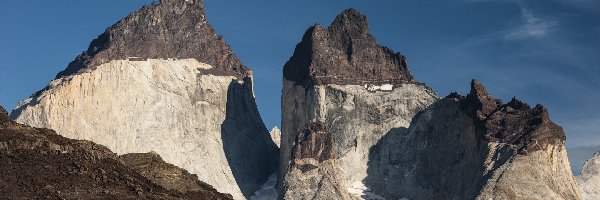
x=171, y=29
x=345, y=53
x=352, y=25
x=516, y=123
x=3, y=115
x=480, y=101
x=589, y=179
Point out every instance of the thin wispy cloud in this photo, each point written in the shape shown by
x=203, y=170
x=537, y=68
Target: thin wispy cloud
x=531, y=26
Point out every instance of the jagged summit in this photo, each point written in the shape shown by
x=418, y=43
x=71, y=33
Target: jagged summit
x=169, y=29
x=516, y=123
x=351, y=24
x=345, y=53
x=481, y=102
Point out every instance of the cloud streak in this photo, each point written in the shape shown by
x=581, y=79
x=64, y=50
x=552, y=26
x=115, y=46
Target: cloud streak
x=531, y=26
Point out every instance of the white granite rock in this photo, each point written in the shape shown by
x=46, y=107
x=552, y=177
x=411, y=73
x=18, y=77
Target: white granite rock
x=589, y=179
x=206, y=124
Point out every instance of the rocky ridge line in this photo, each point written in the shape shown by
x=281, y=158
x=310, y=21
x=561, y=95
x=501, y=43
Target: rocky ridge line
x=345, y=53
x=526, y=129
x=589, y=179
x=170, y=29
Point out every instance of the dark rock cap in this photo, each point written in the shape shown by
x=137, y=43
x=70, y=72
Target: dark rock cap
x=169, y=29
x=516, y=123
x=345, y=53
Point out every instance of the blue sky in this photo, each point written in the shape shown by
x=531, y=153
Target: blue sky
x=544, y=52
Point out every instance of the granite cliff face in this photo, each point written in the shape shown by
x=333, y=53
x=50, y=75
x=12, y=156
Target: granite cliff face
x=313, y=161
x=341, y=78
x=38, y=163
x=474, y=147
x=589, y=179
x=161, y=80
x=382, y=135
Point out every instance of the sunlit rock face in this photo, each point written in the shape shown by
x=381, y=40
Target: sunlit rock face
x=387, y=136
x=474, y=147
x=339, y=77
x=161, y=80
x=589, y=179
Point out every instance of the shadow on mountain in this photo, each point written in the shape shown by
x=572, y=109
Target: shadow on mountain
x=250, y=152
x=440, y=156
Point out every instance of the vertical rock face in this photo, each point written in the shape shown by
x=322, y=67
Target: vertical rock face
x=38, y=163
x=474, y=147
x=589, y=179
x=352, y=107
x=341, y=78
x=161, y=80
x=313, y=161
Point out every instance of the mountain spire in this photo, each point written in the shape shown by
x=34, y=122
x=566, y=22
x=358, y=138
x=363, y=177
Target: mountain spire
x=345, y=53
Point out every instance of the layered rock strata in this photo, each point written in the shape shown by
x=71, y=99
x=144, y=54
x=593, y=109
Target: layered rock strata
x=474, y=147
x=313, y=161
x=589, y=179
x=341, y=78
x=161, y=80
x=38, y=163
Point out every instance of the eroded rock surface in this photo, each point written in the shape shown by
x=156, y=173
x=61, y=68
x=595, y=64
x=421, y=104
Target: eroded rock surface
x=161, y=80
x=589, y=179
x=313, y=172
x=341, y=78
x=474, y=147
x=38, y=163
x=345, y=53
x=169, y=29
x=393, y=138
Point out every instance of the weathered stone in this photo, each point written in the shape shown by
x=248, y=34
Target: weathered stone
x=448, y=153
x=394, y=139
x=345, y=54
x=322, y=83
x=589, y=179
x=169, y=29
x=161, y=80
x=313, y=173
x=514, y=123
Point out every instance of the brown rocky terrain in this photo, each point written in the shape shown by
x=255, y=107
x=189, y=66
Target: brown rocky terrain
x=38, y=163
x=169, y=29
x=345, y=53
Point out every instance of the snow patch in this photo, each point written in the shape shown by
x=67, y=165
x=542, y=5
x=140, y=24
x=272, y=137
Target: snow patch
x=384, y=87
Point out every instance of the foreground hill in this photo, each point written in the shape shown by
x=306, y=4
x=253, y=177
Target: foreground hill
x=38, y=163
